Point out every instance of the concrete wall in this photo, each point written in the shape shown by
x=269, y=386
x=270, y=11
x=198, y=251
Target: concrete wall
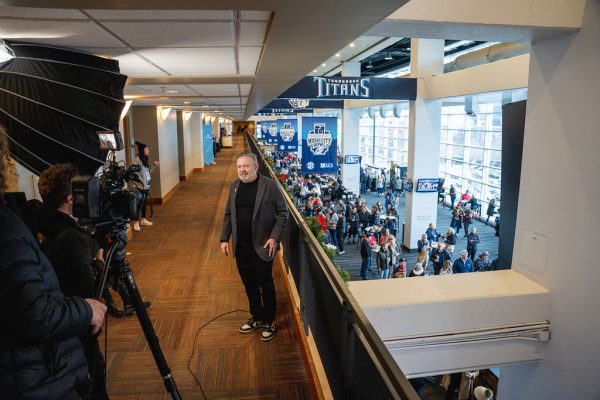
x=558, y=215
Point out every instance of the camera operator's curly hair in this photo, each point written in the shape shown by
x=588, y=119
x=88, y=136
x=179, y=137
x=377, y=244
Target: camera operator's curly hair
x=55, y=184
x=3, y=162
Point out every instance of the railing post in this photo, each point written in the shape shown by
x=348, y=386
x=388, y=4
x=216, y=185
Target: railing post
x=302, y=272
x=346, y=351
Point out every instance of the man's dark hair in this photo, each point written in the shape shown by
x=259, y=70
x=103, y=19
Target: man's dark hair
x=55, y=184
x=3, y=162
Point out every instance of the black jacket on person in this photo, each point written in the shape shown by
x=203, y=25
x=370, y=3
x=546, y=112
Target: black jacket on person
x=66, y=244
x=365, y=248
x=40, y=354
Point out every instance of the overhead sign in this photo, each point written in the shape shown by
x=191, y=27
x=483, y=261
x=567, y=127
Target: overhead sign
x=271, y=132
x=302, y=105
x=319, y=145
x=346, y=88
x=288, y=135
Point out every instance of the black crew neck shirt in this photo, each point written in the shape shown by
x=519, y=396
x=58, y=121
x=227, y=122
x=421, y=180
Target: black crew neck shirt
x=244, y=204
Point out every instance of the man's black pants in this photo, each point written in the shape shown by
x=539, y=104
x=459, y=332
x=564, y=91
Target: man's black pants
x=257, y=277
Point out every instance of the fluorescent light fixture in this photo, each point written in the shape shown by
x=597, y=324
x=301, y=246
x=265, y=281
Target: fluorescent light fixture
x=171, y=91
x=164, y=113
x=126, y=108
x=187, y=115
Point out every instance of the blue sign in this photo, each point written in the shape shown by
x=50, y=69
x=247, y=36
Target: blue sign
x=288, y=135
x=351, y=159
x=329, y=88
x=319, y=145
x=207, y=136
x=271, y=131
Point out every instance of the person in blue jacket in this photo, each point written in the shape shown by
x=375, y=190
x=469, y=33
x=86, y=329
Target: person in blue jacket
x=463, y=264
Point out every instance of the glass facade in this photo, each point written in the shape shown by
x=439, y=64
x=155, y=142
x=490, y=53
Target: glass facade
x=471, y=149
x=384, y=138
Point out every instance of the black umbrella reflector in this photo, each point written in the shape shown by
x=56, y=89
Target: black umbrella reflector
x=56, y=104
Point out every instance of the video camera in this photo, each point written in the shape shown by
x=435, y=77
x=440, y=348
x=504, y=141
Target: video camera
x=104, y=200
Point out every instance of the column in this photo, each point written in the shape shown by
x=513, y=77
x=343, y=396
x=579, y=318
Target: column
x=350, y=138
x=427, y=59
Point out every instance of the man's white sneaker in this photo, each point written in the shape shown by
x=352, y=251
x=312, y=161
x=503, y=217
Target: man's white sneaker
x=145, y=222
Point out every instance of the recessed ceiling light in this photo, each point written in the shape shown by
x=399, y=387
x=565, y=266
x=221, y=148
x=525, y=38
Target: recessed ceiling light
x=324, y=65
x=314, y=70
x=369, y=65
x=352, y=45
x=205, y=106
x=388, y=57
x=187, y=102
x=171, y=91
x=338, y=55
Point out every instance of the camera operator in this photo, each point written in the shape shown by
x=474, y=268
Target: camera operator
x=41, y=357
x=67, y=245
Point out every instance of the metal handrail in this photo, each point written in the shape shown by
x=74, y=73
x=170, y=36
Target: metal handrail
x=393, y=374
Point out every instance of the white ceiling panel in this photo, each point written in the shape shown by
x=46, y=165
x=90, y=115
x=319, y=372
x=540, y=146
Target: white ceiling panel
x=248, y=69
x=198, y=68
x=28, y=12
x=216, y=90
x=190, y=55
x=173, y=34
x=160, y=15
x=256, y=15
x=252, y=33
x=134, y=90
x=245, y=89
x=131, y=64
x=249, y=55
x=226, y=100
x=60, y=33
x=182, y=90
x=108, y=52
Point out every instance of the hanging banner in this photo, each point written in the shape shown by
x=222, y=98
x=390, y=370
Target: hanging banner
x=271, y=132
x=288, y=135
x=207, y=136
x=346, y=88
x=319, y=145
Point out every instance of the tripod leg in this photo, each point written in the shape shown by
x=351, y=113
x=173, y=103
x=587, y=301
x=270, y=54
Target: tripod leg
x=149, y=333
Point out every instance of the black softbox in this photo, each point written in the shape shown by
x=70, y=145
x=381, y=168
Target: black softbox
x=55, y=102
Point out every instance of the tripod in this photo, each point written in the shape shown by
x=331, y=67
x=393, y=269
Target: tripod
x=116, y=260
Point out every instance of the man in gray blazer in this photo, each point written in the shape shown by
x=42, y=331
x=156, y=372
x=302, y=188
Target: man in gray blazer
x=255, y=218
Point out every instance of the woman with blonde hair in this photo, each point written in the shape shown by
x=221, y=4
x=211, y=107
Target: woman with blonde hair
x=450, y=240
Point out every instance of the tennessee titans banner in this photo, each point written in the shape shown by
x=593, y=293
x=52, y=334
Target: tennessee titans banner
x=288, y=135
x=319, y=145
x=271, y=130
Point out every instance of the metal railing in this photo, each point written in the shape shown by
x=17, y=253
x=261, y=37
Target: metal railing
x=356, y=361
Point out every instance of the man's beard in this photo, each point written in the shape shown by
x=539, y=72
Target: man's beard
x=249, y=178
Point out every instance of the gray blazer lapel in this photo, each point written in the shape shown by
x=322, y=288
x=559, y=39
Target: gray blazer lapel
x=260, y=191
x=233, y=208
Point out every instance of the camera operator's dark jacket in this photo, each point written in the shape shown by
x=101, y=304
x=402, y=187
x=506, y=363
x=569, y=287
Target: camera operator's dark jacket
x=40, y=354
x=66, y=245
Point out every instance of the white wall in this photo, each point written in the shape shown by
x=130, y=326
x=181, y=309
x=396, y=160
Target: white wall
x=187, y=142
x=168, y=154
x=196, y=138
x=558, y=215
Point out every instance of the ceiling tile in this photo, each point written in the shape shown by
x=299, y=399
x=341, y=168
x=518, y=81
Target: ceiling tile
x=131, y=64
x=58, y=33
x=161, y=14
x=248, y=69
x=245, y=89
x=189, y=55
x=216, y=90
x=31, y=12
x=256, y=15
x=173, y=34
x=252, y=33
x=182, y=90
x=249, y=55
x=199, y=69
x=225, y=100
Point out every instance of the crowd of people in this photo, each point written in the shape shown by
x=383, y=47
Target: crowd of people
x=347, y=219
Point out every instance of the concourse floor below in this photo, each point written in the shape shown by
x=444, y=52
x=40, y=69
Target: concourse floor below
x=178, y=266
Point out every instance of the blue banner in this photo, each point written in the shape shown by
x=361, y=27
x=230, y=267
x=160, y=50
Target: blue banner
x=288, y=135
x=344, y=88
x=319, y=145
x=271, y=130
x=207, y=138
